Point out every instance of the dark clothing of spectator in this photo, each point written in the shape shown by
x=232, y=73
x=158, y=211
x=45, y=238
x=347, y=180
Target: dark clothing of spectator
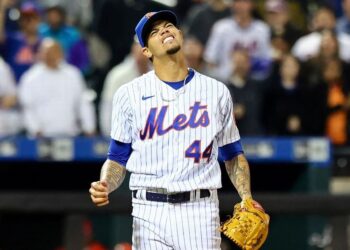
x=290, y=34
x=315, y=109
x=79, y=56
x=183, y=7
x=11, y=24
x=124, y=15
x=319, y=106
x=201, y=19
x=249, y=97
x=280, y=106
x=311, y=73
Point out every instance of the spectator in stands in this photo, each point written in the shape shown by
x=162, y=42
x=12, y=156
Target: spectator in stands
x=193, y=50
x=329, y=49
x=10, y=122
x=283, y=108
x=202, y=17
x=19, y=48
x=241, y=31
x=308, y=46
x=78, y=12
x=53, y=97
x=134, y=65
x=123, y=14
x=343, y=23
x=331, y=97
x=89, y=241
x=283, y=33
x=312, y=69
x=70, y=38
x=246, y=95
x=337, y=102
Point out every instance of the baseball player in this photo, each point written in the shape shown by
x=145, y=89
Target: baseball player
x=168, y=127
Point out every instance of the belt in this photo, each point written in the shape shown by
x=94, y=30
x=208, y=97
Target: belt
x=174, y=198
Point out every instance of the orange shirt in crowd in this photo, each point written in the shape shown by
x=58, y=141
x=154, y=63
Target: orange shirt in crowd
x=336, y=121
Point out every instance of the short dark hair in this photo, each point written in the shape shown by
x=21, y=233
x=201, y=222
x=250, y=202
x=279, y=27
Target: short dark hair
x=58, y=8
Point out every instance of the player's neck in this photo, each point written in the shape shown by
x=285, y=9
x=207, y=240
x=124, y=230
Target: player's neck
x=171, y=69
x=243, y=20
x=288, y=82
x=31, y=38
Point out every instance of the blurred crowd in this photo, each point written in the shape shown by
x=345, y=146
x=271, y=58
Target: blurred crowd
x=286, y=63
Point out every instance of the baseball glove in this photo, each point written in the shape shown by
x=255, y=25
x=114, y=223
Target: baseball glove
x=249, y=226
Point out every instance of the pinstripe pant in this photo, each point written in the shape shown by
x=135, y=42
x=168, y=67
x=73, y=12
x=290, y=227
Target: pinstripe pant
x=183, y=226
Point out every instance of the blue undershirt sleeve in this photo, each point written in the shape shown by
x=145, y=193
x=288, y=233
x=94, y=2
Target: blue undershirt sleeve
x=229, y=151
x=119, y=152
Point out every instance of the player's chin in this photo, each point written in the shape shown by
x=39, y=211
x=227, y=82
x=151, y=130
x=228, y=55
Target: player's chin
x=173, y=49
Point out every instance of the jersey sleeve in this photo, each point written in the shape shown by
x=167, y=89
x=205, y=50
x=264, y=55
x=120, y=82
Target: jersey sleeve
x=121, y=124
x=229, y=132
x=119, y=152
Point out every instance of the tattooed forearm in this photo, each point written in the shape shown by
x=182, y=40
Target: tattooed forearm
x=238, y=171
x=113, y=173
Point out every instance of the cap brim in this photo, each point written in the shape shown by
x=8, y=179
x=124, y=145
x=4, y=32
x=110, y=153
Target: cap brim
x=161, y=15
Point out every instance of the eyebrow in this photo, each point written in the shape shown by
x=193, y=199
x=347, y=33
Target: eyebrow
x=156, y=26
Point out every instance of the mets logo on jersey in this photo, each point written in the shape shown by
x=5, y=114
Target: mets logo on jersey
x=198, y=117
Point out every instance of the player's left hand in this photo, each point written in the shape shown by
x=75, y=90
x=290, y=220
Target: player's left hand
x=249, y=226
x=255, y=204
x=99, y=193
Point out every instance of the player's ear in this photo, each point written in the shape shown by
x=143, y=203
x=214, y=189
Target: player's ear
x=146, y=52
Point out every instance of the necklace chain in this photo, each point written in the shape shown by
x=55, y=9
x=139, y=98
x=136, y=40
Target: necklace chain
x=179, y=92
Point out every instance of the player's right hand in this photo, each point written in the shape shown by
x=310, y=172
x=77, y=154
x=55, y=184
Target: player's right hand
x=99, y=193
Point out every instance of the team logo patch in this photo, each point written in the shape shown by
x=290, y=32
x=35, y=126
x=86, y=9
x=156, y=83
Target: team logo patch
x=146, y=97
x=197, y=117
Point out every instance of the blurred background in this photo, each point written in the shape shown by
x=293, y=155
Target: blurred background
x=286, y=64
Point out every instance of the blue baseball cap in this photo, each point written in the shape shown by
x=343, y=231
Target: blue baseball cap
x=145, y=24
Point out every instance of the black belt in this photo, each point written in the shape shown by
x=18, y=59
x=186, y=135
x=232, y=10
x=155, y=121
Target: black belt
x=173, y=198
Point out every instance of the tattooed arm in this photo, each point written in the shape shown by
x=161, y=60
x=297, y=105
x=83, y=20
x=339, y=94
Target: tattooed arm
x=238, y=171
x=113, y=173
x=112, y=176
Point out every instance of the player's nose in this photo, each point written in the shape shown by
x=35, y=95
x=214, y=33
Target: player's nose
x=164, y=31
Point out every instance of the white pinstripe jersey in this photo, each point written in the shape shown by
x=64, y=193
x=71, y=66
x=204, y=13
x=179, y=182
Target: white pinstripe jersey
x=175, y=134
x=227, y=36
